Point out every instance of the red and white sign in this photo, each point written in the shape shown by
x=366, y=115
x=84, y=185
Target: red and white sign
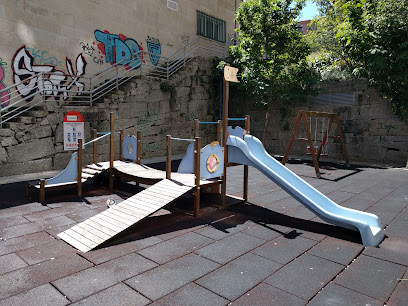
x=73, y=130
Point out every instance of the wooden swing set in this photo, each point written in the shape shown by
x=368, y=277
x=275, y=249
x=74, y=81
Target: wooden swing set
x=314, y=148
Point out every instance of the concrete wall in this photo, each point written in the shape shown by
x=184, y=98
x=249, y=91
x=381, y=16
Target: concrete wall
x=35, y=142
x=55, y=30
x=372, y=132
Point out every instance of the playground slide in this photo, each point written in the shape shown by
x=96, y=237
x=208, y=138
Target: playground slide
x=250, y=151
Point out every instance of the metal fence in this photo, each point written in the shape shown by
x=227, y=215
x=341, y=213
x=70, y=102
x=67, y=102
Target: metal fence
x=36, y=89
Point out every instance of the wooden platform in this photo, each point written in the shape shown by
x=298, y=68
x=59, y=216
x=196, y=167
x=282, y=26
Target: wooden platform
x=93, y=232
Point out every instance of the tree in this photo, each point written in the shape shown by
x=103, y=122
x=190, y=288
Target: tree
x=370, y=39
x=272, y=53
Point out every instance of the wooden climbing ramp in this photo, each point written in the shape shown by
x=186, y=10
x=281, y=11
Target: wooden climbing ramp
x=91, y=233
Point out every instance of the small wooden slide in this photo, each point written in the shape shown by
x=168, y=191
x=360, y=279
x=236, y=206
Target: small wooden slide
x=93, y=232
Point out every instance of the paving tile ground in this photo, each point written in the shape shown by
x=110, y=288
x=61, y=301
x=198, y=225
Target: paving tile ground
x=270, y=251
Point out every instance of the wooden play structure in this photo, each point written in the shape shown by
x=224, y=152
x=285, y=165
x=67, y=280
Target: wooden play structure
x=205, y=169
x=207, y=164
x=316, y=148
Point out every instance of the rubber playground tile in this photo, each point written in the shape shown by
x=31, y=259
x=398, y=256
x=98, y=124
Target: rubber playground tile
x=230, y=247
x=56, y=230
x=336, y=295
x=270, y=197
x=29, y=228
x=301, y=212
x=337, y=250
x=164, y=279
x=371, y=276
x=305, y=276
x=397, y=228
x=191, y=294
x=284, y=250
x=56, y=212
x=400, y=295
x=98, y=256
x=358, y=204
x=87, y=282
x=85, y=214
x=12, y=221
x=262, y=231
x=224, y=228
x=24, y=242
x=21, y=210
x=45, y=295
x=33, y=276
x=238, y=276
x=10, y=262
x=359, y=186
x=180, y=224
x=264, y=294
x=44, y=252
x=119, y=294
x=339, y=196
x=284, y=205
x=391, y=249
x=174, y=248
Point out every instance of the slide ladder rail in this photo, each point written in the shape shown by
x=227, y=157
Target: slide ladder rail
x=250, y=151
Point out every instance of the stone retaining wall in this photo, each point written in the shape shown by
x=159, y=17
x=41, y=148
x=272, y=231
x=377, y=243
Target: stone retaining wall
x=35, y=142
x=372, y=132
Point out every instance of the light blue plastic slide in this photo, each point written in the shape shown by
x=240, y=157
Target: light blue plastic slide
x=250, y=151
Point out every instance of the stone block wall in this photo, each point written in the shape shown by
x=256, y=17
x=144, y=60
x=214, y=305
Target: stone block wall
x=372, y=132
x=34, y=143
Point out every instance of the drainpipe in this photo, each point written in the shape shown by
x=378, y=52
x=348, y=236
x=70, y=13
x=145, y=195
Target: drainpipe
x=235, y=24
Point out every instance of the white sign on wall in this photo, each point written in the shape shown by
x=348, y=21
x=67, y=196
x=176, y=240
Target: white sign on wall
x=73, y=130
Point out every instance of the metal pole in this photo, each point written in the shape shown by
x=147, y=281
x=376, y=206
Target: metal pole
x=224, y=142
x=168, y=157
x=197, y=155
x=111, y=151
x=79, y=167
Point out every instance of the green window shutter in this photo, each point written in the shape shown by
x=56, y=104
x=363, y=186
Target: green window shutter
x=211, y=27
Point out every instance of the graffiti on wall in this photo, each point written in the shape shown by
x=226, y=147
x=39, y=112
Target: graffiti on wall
x=41, y=57
x=154, y=48
x=117, y=48
x=5, y=94
x=89, y=50
x=55, y=82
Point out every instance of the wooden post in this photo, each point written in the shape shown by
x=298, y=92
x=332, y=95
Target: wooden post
x=245, y=193
x=292, y=137
x=42, y=191
x=121, y=144
x=224, y=142
x=168, y=157
x=247, y=123
x=95, y=147
x=139, y=146
x=326, y=135
x=219, y=131
x=95, y=153
x=79, y=167
x=111, y=151
x=197, y=155
x=196, y=128
x=343, y=145
x=310, y=141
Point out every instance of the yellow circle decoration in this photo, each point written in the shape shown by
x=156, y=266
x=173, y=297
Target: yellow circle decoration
x=212, y=163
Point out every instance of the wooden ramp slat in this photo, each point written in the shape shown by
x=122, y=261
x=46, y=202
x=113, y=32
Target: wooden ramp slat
x=96, y=230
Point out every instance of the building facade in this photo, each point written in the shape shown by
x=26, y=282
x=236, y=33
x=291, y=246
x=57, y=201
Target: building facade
x=86, y=36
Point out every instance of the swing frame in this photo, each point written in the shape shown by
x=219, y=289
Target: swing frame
x=303, y=116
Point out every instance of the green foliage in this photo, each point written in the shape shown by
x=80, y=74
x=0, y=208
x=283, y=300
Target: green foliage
x=368, y=39
x=272, y=54
x=166, y=86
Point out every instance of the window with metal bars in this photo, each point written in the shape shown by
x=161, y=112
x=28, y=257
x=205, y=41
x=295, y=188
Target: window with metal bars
x=211, y=27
